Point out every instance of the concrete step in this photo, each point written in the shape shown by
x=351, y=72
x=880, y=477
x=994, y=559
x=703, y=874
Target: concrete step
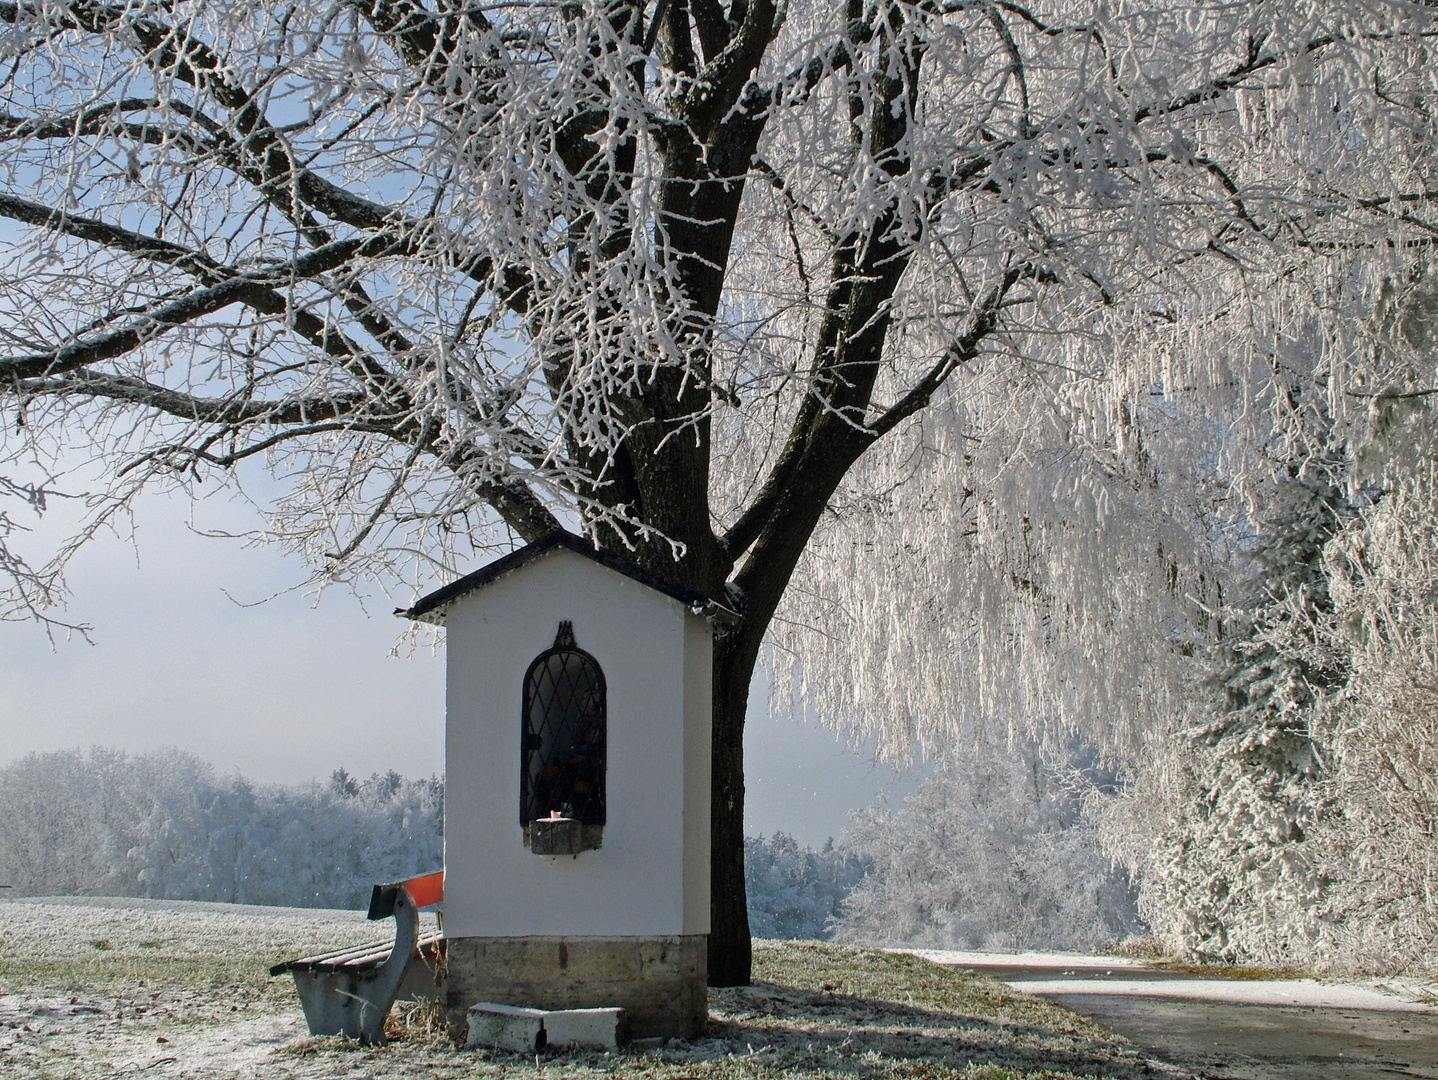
x=524, y=1031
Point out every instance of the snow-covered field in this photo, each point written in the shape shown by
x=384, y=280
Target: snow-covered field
x=96, y=988
x=112, y=930
x=119, y=986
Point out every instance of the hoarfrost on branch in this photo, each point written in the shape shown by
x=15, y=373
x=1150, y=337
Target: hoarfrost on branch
x=1007, y=281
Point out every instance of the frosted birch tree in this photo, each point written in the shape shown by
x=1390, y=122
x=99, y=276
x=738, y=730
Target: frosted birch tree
x=665, y=271
x=1382, y=730
x=991, y=852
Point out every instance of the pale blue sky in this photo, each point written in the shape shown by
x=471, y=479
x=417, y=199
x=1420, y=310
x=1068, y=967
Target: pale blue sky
x=289, y=690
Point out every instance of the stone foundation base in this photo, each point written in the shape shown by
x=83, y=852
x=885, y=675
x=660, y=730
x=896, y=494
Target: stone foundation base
x=659, y=982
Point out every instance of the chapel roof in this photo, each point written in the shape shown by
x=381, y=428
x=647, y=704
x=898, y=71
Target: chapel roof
x=434, y=608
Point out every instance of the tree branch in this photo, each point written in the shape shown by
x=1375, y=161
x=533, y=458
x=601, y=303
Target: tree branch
x=1221, y=85
x=714, y=29
x=983, y=319
x=95, y=120
x=234, y=410
x=299, y=418
x=254, y=289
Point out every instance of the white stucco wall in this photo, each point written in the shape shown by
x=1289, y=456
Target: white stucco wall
x=651, y=877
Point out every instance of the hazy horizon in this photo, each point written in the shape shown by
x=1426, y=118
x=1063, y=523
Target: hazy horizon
x=288, y=690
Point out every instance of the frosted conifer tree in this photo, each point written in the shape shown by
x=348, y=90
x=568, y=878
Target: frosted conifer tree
x=1240, y=873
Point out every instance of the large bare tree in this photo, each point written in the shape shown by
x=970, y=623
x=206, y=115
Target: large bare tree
x=658, y=270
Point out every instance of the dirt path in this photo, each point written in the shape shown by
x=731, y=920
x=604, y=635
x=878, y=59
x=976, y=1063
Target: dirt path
x=1235, y=1030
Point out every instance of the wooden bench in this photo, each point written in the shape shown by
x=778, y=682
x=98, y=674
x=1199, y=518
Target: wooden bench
x=428, y=952
x=350, y=991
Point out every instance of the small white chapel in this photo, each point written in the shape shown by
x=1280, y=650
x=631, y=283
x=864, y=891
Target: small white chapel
x=577, y=786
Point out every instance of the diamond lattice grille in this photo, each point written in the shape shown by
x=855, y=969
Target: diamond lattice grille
x=564, y=735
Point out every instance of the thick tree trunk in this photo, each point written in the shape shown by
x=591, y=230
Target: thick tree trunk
x=761, y=582
x=735, y=654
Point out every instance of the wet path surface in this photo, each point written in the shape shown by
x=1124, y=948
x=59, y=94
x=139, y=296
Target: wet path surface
x=1231, y=1029
x=1268, y=1042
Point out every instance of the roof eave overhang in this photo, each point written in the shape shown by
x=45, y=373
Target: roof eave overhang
x=433, y=609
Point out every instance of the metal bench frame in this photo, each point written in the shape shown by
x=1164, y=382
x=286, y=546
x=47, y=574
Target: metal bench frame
x=351, y=991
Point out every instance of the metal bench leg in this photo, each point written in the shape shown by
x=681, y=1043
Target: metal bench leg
x=356, y=1004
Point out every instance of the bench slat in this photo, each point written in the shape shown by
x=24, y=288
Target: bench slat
x=339, y=956
x=359, y=954
x=358, y=958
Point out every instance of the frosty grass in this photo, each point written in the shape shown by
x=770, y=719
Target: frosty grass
x=120, y=988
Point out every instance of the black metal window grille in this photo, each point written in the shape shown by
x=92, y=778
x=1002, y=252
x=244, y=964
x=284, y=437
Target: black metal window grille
x=565, y=734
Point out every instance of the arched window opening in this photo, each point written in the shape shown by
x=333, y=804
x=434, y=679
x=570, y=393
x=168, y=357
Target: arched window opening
x=562, y=795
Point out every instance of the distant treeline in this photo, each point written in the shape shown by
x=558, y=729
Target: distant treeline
x=981, y=856
x=797, y=892
x=164, y=825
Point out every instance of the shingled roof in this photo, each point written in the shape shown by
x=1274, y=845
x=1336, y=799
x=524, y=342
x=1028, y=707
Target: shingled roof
x=434, y=607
